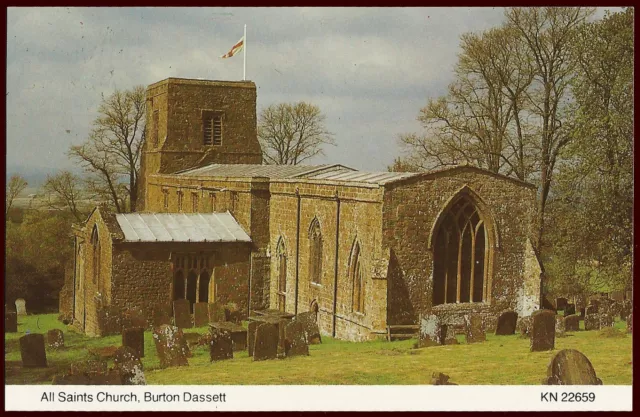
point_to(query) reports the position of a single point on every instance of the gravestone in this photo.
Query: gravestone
(560, 328)
(134, 318)
(507, 323)
(10, 322)
(200, 314)
(310, 324)
(134, 338)
(266, 344)
(88, 367)
(32, 351)
(109, 320)
(561, 303)
(220, 345)
(55, 338)
(572, 323)
(592, 322)
(524, 326)
(295, 339)
(629, 323)
(430, 331)
(128, 363)
(89, 373)
(543, 330)
(438, 378)
(21, 307)
(171, 346)
(161, 315)
(238, 334)
(448, 335)
(182, 314)
(216, 313)
(570, 367)
(474, 330)
(251, 336)
(569, 309)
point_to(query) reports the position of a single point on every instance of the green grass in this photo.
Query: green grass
(501, 360)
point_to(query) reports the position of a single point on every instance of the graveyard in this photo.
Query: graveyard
(493, 360)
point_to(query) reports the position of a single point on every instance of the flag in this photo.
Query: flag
(235, 49)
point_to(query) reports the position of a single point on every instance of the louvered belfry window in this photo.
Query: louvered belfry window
(212, 123)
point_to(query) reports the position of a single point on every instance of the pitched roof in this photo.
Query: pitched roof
(181, 227)
(253, 170)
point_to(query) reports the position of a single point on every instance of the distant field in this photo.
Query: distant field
(501, 360)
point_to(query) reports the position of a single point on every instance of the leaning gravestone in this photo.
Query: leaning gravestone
(572, 323)
(200, 314)
(543, 330)
(32, 351)
(182, 314)
(561, 303)
(21, 307)
(560, 327)
(310, 324)
(10, 322)
(55, 338)
(430, 331)
(161, 314)
(220, 345)
(171, 346)
(474, 330)
(134, 338)
(569, 310)
(570, 367)
(216, 313)
(128, 363)
(507, 323)
(266, 344)
(295, 339)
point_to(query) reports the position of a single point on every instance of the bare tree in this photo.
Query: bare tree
(292, 133)
(111, 154)
(15, 186)
(65, 192)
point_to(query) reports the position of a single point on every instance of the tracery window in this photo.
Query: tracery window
(315, 252)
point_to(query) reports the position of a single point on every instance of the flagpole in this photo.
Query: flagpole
(244, 66)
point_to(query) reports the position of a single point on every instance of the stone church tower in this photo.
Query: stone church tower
(191, 123)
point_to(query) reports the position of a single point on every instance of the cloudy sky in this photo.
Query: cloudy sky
(369, 69)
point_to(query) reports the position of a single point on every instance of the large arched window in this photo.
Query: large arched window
(192, 277)
(460, 255)
(315, 252)
(357, 279)
(95, 243)
(282, 275)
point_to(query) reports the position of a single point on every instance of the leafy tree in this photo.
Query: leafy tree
(15, 186)
(291, 133)
(111, 154)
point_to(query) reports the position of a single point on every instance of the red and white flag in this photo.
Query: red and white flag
(235, 49)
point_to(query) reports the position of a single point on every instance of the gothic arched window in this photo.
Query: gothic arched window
(460, 255)
(357, 279)
(315, 252)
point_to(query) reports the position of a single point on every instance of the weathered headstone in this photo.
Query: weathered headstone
(21, 307)
(438, 378)
(109, 320)
(560, 328)
(182, 314)
(592, 322)
(606, 320)
(134, 339)
(238, 334)
(10, 322)
(55, 338)
(171, 346)
(507, 323)
(90, 373)
(474, 330)
(216, 313)
(295, 339)
(311, 329)
(200, 314)
(570, 367)
(134, 318)
(221, 346)
(130, 366)
(569, 309)
(32, 351)
(543, 330)
(629, 323)
(561, 303)
(161, 314)
(266, 344)
(572, 323)
(524, 326)
(430, 331)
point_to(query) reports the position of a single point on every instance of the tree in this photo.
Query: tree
(15, 186)
(64, 191)
(111, 154)
(292, 133)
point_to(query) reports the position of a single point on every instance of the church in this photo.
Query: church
(363, 250)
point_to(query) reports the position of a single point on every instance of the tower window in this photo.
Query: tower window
(155, 128)
(212, 126)
(315, 252)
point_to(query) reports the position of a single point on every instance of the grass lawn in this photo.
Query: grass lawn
(501, 360)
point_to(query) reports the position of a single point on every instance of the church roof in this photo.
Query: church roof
(269, 171)
(181, 227)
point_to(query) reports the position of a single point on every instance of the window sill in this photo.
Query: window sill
(479, 306)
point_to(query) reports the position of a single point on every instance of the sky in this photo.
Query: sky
(370, 70)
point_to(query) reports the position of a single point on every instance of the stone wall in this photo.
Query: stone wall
(410, 210)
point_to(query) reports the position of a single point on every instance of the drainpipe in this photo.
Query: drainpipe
(297, 250)
(335, 278)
